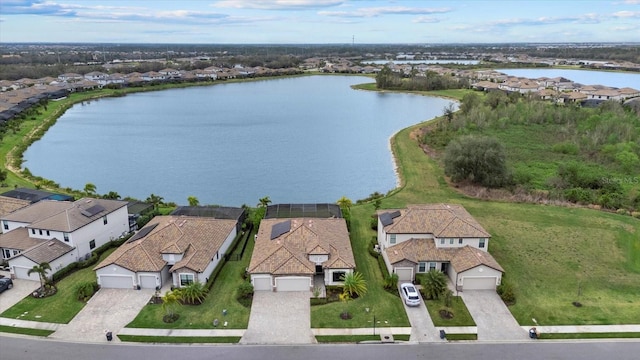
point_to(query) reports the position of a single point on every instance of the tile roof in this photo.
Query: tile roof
(425, 250)
(18, 239)
(47, 251)
(288, 253)
(441, 220)
(63, 215)
(9, 205)
(198, 238)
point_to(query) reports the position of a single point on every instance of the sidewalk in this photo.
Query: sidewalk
(577, 329)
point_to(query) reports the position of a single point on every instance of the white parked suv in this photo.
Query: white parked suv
(410, 294)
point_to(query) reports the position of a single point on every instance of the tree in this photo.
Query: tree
(155, 200)
(193, 201)
(469, 101)
(264, 202)
(434, 284)
(344, 202)
(111, 195)
(354, 284)
(170, 301)
(194, 293)
(448, 112)
(41, 270)
(479, 159)
(90, 189)
(3, 175)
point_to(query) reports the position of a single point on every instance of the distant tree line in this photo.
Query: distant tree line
(390, 80)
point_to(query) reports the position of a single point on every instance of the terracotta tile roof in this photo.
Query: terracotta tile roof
(9, 205)
(441, 220)
(288, 253)
(425, 250)
(63, 215)
(18, 239)
(198, 238)
(47, 251)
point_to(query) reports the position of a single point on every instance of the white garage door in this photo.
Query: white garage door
(404, 274)
(262, 284)
(21, 273)
(479, 283)
(148, 281)
(117, 282)
(293, 283)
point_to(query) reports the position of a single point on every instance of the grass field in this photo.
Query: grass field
(25, 331)
(461, 316)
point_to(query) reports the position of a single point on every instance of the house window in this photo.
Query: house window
(40, 231)
(92, 244)
(451, 241)
(186, 279)
(104, 219)
(33, 231)
(432, 266)
(392, 239)
(460, 241)
(422, 267)
(6, 253)
(48, 233)
(66, 237)
(442, 241)
(338, 275)
(16, 252)
(5, 224)
(481, 244)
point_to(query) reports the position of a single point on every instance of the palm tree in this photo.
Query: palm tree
(41, 270)
(155, 200)
(354, 284)
(90, 189)
(264, 202)
(194, 293)
(111, 195)
(193, 201)
(344, 202)
(434, 284)
(170, 301)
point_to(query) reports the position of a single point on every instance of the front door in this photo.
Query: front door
(319, 269)
(444, 267)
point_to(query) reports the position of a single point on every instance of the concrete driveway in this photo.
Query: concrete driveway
(422, 328)
(279, 318)
(493, 318)
(21, 289)
(108, 309)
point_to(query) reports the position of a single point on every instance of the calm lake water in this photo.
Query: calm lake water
(430, 62)
(297, 140)
(585, 77)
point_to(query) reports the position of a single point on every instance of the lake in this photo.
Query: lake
(428, 62)
(296, 140)
(585, 77)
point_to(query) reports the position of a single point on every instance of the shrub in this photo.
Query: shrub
(579, 195)
(245, 290)
(194, 293)
(566, 148)
(622, 212)
(434, 284)
(479, 159)
(85, 290)
(374, 223)
(391, 281)
(505, 290)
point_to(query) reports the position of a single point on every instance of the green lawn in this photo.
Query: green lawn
(356, 338)
(388, 308)
(59, 308)
(461, 316)
(25, 331)
(222, 296)
(180, 339)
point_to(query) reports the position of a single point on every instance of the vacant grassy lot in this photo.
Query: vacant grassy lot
(222, 296)
(552, 255)
(59, 308)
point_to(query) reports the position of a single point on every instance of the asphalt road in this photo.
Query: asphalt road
(21, 348)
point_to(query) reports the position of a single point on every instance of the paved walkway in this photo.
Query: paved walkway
(280, 318)
(492, 316)
(108, 310)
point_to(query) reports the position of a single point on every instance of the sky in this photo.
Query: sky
(319, 21)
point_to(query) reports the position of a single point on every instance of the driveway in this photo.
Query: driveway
(21, 288)
(422, 328)
(279, 318)
(108, 309)
(493, 318)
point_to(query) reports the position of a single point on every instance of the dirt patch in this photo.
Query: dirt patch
(445, 314)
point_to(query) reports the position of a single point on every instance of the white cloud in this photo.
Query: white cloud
(626, 14)
(390, 10)
(277, 4)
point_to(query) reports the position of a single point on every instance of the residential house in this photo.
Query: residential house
(289, 253)
(443, 237)
(59, 232)
(171, 249)
(35, 195)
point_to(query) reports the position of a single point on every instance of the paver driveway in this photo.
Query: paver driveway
(493, 318)
(21, 288)
(108, 309)
(279, 318)
(422, 328)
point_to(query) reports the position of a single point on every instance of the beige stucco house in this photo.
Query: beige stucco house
(442, 237)
(289, 253)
